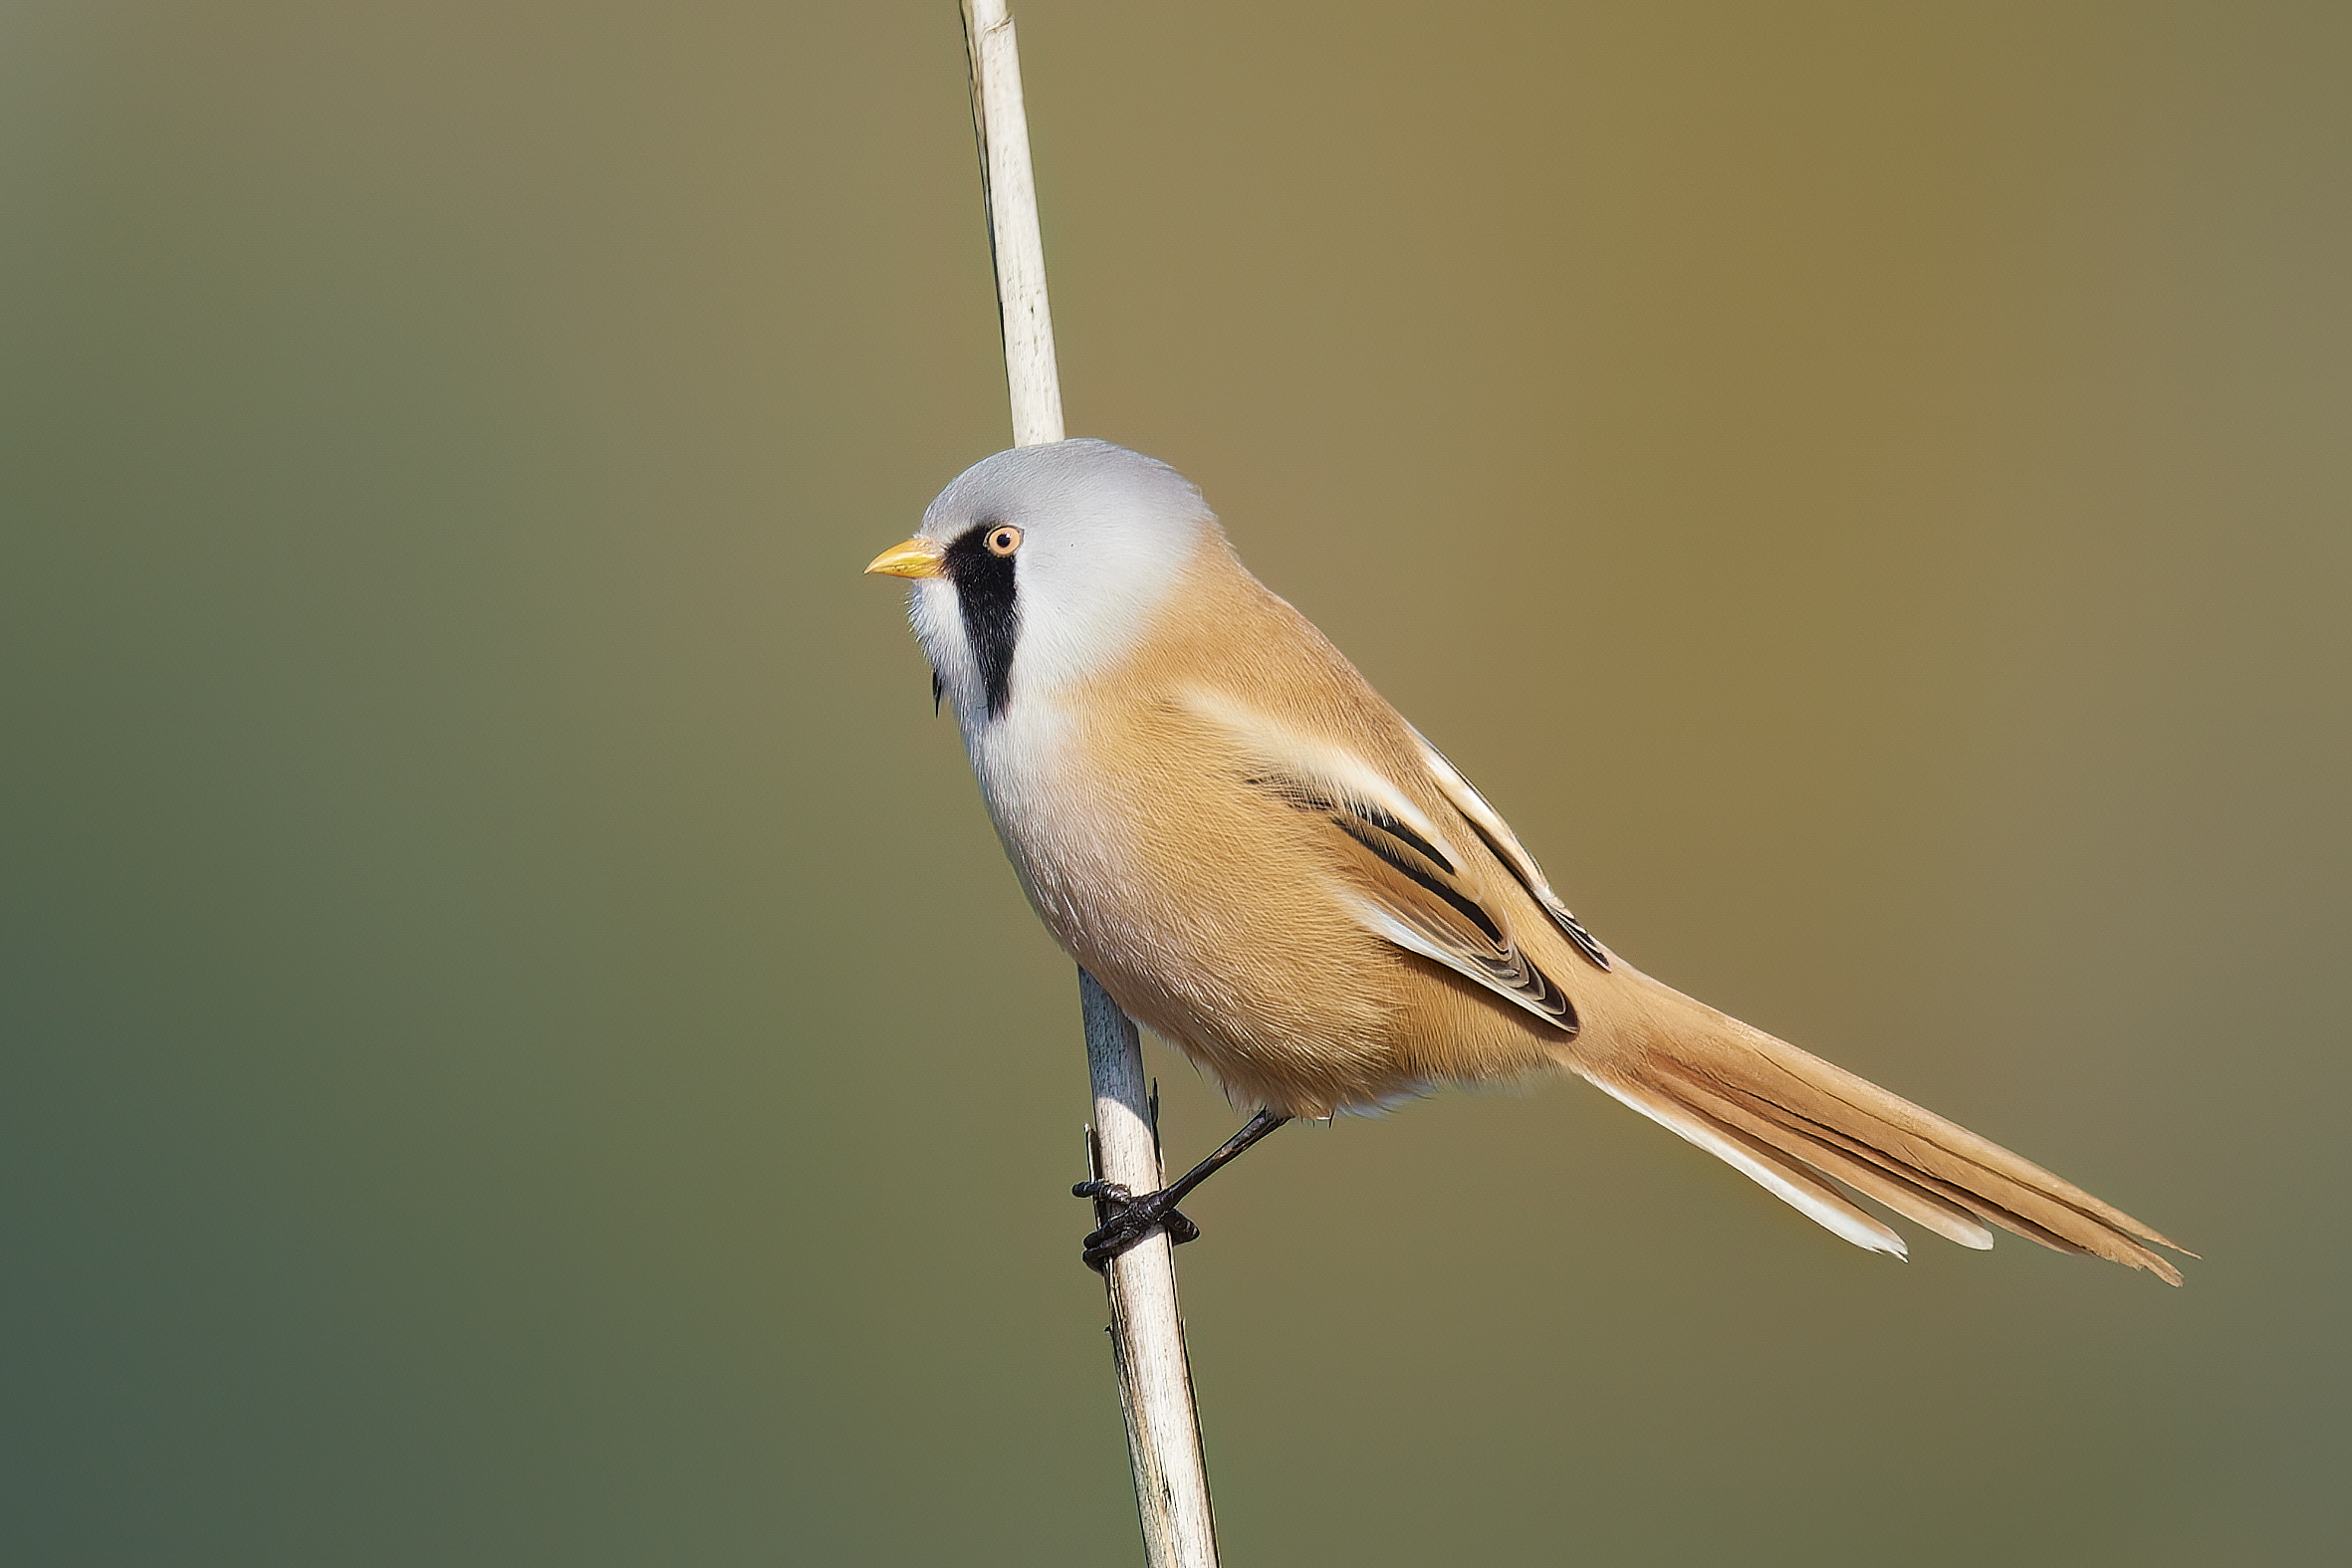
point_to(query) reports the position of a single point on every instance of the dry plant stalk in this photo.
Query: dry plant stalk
(1146, 1329)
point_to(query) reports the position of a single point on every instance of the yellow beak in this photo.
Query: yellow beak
(914, 558)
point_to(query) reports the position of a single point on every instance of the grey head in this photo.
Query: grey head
(1049, 562)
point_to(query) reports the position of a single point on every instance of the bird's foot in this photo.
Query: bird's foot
(1127, 1219)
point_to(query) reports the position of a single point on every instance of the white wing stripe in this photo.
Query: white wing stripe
(1321, 760)
(1412, 941)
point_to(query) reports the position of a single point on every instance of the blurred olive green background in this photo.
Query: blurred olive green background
(516, 1043)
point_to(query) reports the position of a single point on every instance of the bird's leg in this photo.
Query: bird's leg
(1126, 1219)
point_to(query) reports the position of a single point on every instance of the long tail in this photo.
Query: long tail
(1797, 1125)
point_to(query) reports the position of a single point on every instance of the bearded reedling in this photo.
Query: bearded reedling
(1263, 862)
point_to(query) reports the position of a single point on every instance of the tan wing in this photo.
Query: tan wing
(1410, 888)
(1507, 848)
(1407, 878)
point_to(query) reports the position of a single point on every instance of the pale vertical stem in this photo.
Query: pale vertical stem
(1147, 1332)
(1011, 193)
(1146, 1329)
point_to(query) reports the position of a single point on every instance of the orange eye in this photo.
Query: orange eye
(1004, 541)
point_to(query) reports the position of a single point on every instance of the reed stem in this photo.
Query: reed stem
(1147, 1329)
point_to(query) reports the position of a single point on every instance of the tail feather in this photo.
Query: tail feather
(1782, 1178)
(1924, 1129)
(1990, 1196)
(1788, 1119)
(1948, 1218)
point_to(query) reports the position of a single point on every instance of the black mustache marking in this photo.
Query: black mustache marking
(988, 596)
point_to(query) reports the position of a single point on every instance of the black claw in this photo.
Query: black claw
(1127, 1219)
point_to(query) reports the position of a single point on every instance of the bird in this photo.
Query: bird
(1263, 862)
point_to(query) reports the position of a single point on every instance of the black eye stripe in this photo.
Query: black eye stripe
(986, 594)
